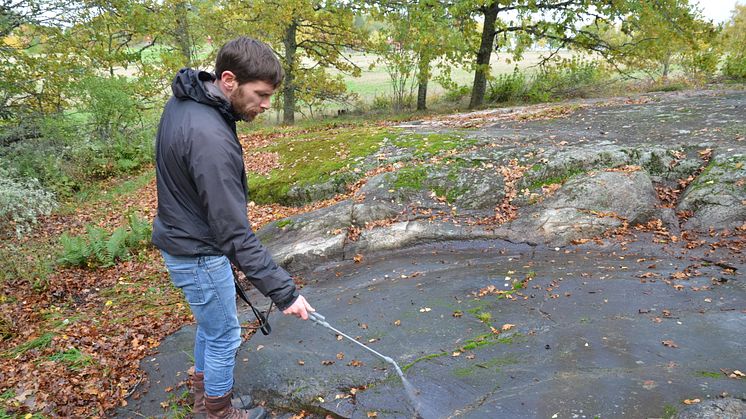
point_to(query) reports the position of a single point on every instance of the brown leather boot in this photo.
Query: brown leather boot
(198, 389)
(221, 408)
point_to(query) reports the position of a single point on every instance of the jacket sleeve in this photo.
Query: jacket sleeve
(216, 167)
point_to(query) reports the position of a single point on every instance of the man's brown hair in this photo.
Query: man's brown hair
(249, 60)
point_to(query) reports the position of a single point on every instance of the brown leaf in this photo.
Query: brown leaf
(678, 275)
(670, 344)
(692, 401)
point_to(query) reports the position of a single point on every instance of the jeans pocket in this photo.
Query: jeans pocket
(188, 282)
(215, 263)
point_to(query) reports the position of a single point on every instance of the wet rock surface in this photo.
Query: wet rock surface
(725, 408)
(528, 318)
(612, 330)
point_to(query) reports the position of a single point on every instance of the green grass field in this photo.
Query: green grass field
(376, 81)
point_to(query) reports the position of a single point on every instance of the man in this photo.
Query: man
(201, 226)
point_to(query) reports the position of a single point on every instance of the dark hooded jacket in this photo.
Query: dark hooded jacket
(202, 188)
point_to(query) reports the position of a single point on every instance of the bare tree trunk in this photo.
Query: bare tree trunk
(181, 34)
(288, 90)
(423, 77)
(483, 56)
(666, 65)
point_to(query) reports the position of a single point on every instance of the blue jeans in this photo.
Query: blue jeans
(207, 283)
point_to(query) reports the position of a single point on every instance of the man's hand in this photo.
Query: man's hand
(300, 308)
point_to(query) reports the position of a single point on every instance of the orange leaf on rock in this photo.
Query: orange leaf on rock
(670, 344)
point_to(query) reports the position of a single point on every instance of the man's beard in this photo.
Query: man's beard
(239, 107)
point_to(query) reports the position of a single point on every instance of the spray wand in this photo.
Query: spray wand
(321, 321)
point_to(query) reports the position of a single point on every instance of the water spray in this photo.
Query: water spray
(420, 410)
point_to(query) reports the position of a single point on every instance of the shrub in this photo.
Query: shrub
(99, 248)
(570, 78)
(507, 87)
(702, 64)
(111, 103)
(48, 157)
(457, 93)
(22, 202)
(65, 156)
(734, 67)
(389, 103)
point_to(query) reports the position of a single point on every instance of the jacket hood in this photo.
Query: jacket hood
(191, 84)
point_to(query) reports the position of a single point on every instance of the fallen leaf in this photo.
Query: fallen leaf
(397, 322)
(692, 401)
(670, 344)
(425, 309)
(355, 363)
(737, 374)
(358, 258)
(456, 353)
(372, 414)
(340, 356)
(301, 362)
(458, 313)
(327, 362)
(507, 326)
